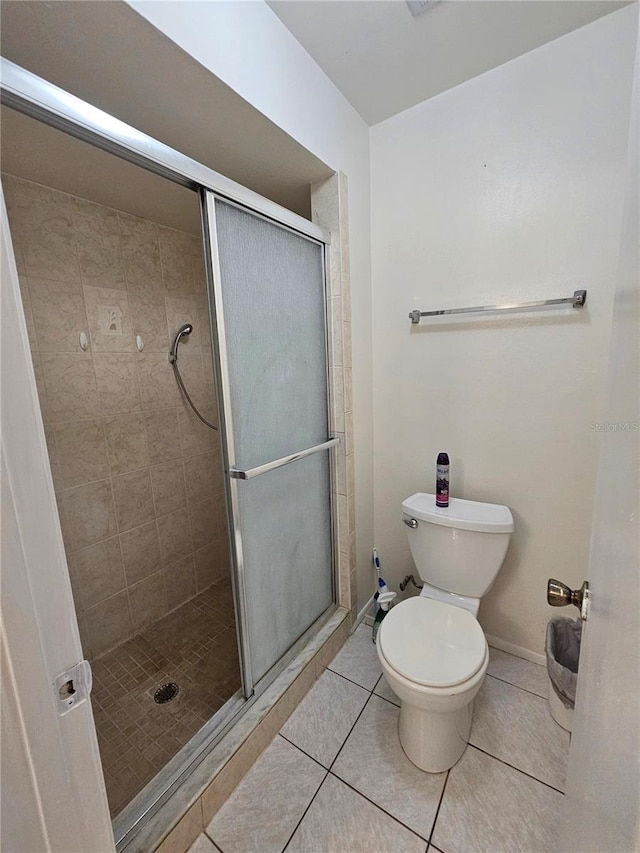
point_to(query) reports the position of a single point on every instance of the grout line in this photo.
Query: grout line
(315, 760)
(304, 814)
(346, 678)
(378, 806)
(513, 767)
(355, 723)
(435, 819)
(215, 844)
(511, 684)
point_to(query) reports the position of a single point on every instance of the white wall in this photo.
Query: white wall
(508, 187)
(248, 47)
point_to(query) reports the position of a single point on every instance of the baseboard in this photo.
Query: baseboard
(518, 651)
(362, 615)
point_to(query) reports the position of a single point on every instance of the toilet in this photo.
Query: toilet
(432, 649)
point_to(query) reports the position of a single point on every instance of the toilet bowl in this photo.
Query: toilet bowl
(432, 649)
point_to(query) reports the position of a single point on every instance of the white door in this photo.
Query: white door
(53, 794)
(603, 785)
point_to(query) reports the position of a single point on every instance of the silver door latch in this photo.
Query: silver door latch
(73, 686)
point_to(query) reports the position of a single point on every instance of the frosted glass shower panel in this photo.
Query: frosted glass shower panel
(286, 543)
(272, 283)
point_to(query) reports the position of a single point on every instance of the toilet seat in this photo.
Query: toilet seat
(432, 643)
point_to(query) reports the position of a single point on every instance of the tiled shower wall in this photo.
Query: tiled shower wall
(330, 208)
(139, 480)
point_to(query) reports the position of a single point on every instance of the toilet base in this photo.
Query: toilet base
(434, 742)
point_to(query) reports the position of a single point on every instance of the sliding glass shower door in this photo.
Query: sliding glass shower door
(271, 333)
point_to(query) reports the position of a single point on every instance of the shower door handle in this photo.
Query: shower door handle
(250, 473)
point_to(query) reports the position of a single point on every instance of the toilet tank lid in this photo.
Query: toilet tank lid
(465, 515)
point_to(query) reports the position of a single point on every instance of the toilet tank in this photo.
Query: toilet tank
(459, 548)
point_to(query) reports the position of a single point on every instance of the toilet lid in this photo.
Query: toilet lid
(432, 643)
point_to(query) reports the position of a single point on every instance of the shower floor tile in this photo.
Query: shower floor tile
(194, 647)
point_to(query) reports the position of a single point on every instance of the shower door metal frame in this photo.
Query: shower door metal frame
(225, 421)
(29, 94)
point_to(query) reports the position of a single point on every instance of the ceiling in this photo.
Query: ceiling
(107, 54)
(384, 60)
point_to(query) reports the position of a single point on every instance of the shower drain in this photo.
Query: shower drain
(166, 693)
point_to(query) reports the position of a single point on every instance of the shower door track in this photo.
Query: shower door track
(29, 94)
(131, 821)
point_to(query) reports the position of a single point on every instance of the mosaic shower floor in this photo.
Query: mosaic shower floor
(195, 647)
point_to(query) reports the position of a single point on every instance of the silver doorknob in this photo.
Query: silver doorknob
(560, 595)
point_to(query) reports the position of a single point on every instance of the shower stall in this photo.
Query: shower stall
(183, 370)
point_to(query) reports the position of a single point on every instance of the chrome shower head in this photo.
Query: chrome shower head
(183, 330)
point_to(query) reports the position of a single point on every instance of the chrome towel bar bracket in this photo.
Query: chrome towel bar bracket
(578, 299)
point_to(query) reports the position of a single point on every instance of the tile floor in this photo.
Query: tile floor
(335, 779)
(194, 646)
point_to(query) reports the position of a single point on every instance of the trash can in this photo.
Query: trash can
(562, 648)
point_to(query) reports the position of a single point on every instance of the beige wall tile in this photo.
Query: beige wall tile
(212, 563)
(350, 472)
(58, 313)
(167, 481)
(348, 432)
(163, 435)
(148, 600)
(109, 319)
(346, 345)
(89, 513)
(343, 524)
(133, 499)
(196, 437)
(175, 536)
(126, 440)
(178, 264)
(46, 235)
(346, 303)
(180, 581)
(140, 552)
(158, 387)
(109, 623)
(139, 240)
(70, 384)
(336, 331)
(204, 524)
(200, 476)
(341, 467)
(99, 249)
(181, 310)
(348, 389)
(117, 382)
(81, 452)
(98, 571)
(337, 377)
(149, 320)
(103, 438)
